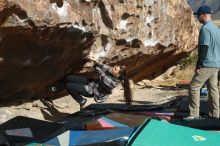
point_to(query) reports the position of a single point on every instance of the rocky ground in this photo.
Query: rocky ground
(157, 91)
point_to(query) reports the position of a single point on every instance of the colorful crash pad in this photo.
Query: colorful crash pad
(104, 123)
(21, 130)
(158, 133)
(3, 141)
(116, 120)
(160, 115)
(112, 137)
(183, 84)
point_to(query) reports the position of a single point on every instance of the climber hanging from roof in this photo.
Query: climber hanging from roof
(108, 79)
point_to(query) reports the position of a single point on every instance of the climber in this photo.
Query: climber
(108, 79)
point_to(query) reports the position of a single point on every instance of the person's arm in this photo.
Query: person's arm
(201, 54)
(102, 69)
(103, 73)
(204, 41)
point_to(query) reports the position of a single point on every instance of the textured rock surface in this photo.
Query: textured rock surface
(43, 40)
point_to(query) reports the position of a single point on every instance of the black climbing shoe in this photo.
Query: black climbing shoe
(52, 89)
(101, 100)
(83, 103)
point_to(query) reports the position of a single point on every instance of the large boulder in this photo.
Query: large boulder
(41, 41)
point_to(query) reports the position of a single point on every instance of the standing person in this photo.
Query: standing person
(207, 66)
(108, 79)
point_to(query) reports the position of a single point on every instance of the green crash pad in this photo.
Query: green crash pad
(158, 133)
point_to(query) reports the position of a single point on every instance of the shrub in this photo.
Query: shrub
(189, 61)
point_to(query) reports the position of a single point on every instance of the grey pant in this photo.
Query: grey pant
(75, 85)
(209, 75)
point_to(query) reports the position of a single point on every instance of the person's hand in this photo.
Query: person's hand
(197, 71)
(91, 57)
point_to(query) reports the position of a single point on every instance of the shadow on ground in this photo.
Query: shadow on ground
(161, 87)
(137, 105)
(50, 113)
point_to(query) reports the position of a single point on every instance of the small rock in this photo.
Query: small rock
(64, 103)
(141, 83)
(5, 115)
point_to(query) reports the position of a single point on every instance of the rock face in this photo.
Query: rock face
(41, 41)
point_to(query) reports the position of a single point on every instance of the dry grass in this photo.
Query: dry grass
(185, 74)
(181, 75)
(178, 75)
